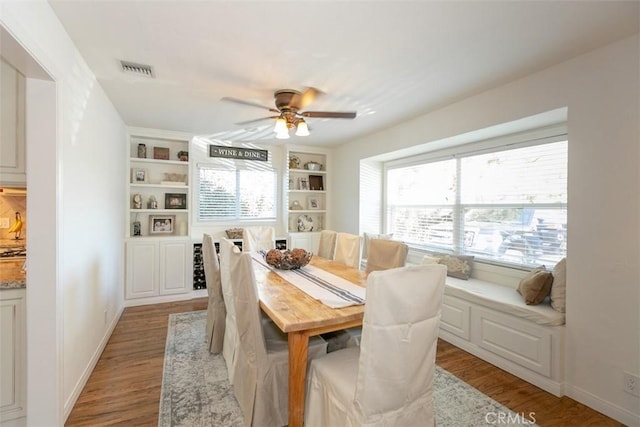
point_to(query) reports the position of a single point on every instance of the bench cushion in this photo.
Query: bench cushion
(503, 299)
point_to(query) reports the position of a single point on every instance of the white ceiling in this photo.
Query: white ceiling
(387, 60)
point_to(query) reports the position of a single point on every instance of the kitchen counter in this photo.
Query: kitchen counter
(12, 243)
(11, 274)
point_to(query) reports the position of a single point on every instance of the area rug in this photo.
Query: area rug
(196, 390)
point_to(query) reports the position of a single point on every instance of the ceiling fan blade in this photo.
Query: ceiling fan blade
(257, 120)
(309, 95)
(330, 114)
(249, 103)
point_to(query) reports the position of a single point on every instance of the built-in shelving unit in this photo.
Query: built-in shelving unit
(306, 201)
(158, 189)
(159, 253)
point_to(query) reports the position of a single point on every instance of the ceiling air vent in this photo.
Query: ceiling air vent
(139, 69)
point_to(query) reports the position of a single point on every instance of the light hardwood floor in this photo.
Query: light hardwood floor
(124, 388)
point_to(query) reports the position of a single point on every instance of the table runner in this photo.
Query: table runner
(331, 290)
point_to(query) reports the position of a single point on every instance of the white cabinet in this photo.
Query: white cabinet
(158, 267)
(176, 267)
(307, 241)
(158, 183)
(12, 112)
(13, 354)
(306, 196)
(142, 269)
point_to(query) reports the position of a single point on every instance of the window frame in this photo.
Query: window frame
(552, 134)
(237, 218)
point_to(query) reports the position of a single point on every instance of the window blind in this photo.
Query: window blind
(229, 194)
(506, 205)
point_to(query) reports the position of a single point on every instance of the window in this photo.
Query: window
(506, 204)
(232, 194)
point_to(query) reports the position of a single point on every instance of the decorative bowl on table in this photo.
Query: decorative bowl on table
(288, 259)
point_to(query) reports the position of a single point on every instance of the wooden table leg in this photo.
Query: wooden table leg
(298, 349)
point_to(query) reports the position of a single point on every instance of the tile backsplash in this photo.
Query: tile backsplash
(9, 205)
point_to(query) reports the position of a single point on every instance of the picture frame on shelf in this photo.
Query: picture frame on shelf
(313, 203)
(175, 201)
(139, 176)
(303, 184)
(178, 179)
(136, 229)
(160, 153)
(162, 224)
(316, 182)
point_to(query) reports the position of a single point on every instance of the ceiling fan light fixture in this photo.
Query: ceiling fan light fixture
(283, 134)
(281, 126)
(302, 129)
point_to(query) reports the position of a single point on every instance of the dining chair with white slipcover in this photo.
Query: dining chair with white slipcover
(384, 254)
(388, 380)
(327, 246)
(261, 380)
(348, 249)
(368, 237)
(231, 339)
(258, 239)
(216, 311)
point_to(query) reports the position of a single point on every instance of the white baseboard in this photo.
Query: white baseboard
(196, 293)
(16, 422)
(609, 409)
(68, 405)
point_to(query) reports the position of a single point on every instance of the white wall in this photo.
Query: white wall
(76, 199)
(600, 90)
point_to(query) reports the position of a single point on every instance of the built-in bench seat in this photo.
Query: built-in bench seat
(492, 322)
(504, 299)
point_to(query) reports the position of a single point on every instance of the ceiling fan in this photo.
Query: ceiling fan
(288, 103)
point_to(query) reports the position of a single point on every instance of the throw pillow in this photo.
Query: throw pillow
(370, 236)
(535, 286)
(559, 287)
(458, 266)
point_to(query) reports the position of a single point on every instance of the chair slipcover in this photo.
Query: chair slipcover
(368, 237)
(388, 380)
(258, 239)
(327, 246)
(216, 311)
(386, 254)
(230, 342)
(261, 382)
(348, 248)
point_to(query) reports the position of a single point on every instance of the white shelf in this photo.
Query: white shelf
(159, 161)
(171, 186)
(308, 191)
(307, 171)
(160, 211)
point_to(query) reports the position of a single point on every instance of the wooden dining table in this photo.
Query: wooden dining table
(300, 317)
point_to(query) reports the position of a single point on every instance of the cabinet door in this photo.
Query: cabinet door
(12, 153)
(306, 241)
(12, 355)
(142, 269)
(175, 267)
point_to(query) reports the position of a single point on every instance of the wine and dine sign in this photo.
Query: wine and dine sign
(238, 153)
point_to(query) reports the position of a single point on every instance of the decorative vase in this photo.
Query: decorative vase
(142, 151)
